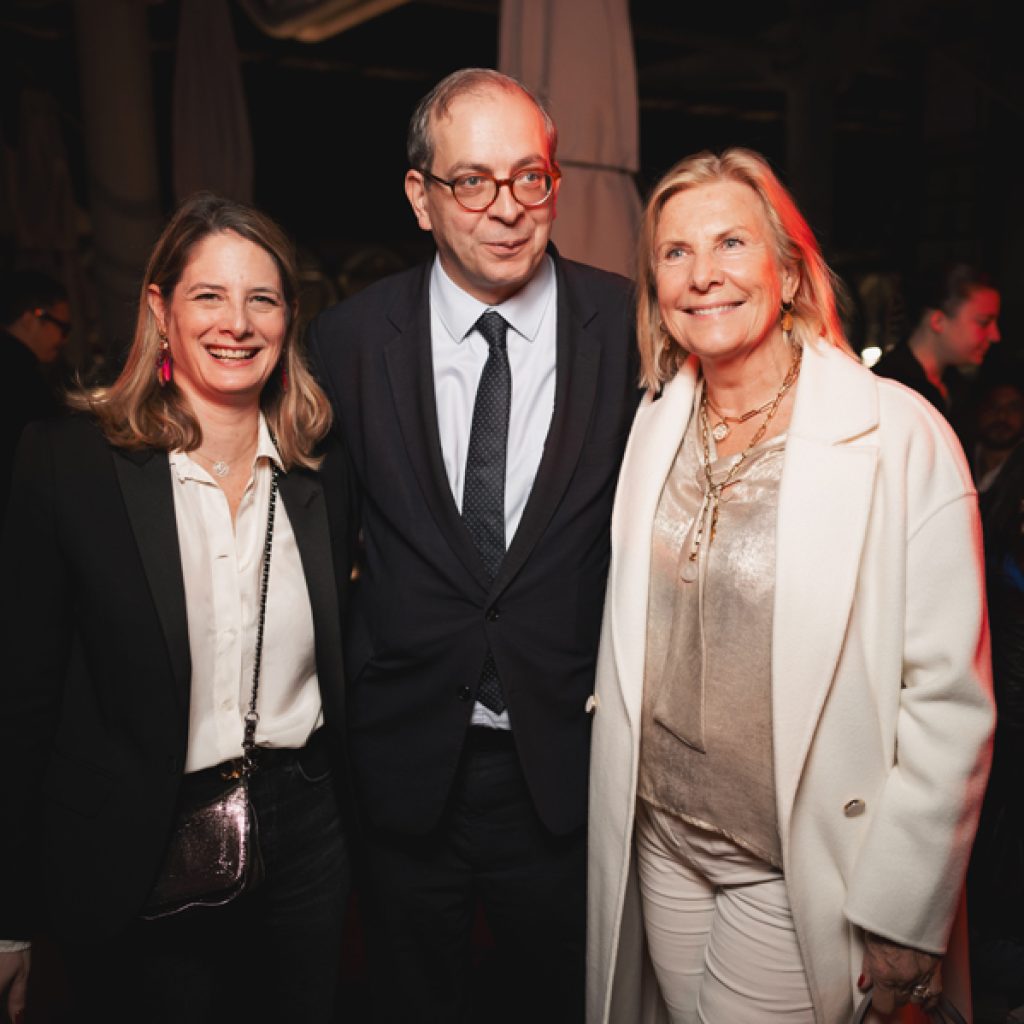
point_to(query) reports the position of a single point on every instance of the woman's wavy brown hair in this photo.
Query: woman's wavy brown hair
(136, 412)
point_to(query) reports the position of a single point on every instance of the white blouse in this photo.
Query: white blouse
(222, 570)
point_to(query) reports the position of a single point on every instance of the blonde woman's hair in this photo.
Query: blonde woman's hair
(814, 304)
(136, 412)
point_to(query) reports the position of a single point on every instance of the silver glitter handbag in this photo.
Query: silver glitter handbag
(213, 855)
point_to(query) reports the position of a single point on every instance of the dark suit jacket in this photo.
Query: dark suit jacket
(96, 673)
(423, 610)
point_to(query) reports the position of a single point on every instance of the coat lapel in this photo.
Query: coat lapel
(145, 480)
(303, 499)
(653, 443)
(824, 502)
(576, 373)
(411, 375)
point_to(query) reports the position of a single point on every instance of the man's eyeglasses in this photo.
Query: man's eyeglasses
(476, 192)
(62, 325)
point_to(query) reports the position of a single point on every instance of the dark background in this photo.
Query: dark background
(925, 101)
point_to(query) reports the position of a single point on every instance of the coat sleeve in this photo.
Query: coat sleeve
(35, 630)
(908, 877)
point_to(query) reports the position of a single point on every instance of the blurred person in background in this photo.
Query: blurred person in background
(35, 324)
(955, 312)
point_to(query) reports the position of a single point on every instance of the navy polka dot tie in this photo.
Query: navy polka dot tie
(483, 493)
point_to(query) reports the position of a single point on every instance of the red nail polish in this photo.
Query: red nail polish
(860, 981)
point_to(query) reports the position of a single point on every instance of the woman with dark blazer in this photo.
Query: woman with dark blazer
(134, 553)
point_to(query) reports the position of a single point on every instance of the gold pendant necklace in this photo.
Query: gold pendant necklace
(713, 491)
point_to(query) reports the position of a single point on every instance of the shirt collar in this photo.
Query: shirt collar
(187, 468)
(524, 311)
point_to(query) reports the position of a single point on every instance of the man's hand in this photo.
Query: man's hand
(897, 971)
(14, 981)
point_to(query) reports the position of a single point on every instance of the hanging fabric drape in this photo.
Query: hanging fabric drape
(577, 55)
(212, 142)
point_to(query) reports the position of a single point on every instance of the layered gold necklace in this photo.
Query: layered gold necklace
(713, 491)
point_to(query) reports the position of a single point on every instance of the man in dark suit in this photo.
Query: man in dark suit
(485, 399)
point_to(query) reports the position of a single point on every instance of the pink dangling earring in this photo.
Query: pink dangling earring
(164, 363)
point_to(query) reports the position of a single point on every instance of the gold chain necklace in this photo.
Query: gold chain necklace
(713, 494)
(720, 430)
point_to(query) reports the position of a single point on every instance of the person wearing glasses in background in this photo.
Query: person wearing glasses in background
(485, 398)
(35, 324)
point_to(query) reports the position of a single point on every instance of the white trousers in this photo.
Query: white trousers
(719, 927)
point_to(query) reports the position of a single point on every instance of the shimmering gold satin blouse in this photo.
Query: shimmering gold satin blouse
(706, 742)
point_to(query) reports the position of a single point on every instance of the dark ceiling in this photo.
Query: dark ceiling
(926, 101)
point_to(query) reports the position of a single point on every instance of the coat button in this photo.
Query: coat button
(493, 615)
(464, 693)
(854, 808)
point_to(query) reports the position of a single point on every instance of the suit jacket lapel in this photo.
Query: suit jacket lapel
(411, 374)
(576, 375)
(145, 480)
(824, 503)
(303, 499)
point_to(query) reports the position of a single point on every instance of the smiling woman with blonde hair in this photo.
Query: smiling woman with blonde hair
(171, 621)
(793, 688)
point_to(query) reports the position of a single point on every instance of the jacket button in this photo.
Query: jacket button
(493, 615)
(854, 808)
(463, 693)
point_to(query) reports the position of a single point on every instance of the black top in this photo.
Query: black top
(901, 364)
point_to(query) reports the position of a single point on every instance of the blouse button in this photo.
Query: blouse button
(854, 808)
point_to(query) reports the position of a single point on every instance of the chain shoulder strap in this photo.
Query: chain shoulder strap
(251, 716)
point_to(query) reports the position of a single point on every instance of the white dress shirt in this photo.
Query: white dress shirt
(222, 566)
(459, 353)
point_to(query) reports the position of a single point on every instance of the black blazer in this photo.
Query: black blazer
(423, 610)
(95, 684)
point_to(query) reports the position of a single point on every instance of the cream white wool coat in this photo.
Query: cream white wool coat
(881, 683)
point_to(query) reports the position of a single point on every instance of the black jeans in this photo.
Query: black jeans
(273, 955)
(491, 850)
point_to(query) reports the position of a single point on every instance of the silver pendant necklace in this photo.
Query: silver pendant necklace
(219, 467)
